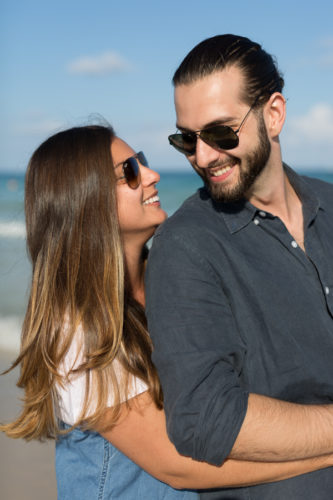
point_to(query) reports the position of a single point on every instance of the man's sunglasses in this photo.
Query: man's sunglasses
(217, 136)
(131, 169)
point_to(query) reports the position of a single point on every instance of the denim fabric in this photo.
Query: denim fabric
(88, 467)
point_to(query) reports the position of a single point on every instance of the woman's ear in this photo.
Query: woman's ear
(275, 114)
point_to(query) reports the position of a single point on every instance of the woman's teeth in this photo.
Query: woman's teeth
(153, 199)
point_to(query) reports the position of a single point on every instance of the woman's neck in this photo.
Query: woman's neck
(136, 269)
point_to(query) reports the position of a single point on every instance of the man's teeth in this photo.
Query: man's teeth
(222, 171)
(153, 199)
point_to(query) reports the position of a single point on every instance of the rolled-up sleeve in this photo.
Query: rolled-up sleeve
(197, 349)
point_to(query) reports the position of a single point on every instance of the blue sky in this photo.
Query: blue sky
(65, 63)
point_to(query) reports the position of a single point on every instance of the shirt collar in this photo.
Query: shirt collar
(238, 215)
(311, 201)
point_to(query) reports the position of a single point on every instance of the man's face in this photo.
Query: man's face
(216, 99)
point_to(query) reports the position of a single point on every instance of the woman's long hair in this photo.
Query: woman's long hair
(78, 279)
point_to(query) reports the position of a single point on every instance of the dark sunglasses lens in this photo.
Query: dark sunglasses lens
(221, 136)
(185, 143)
(142, 159)
(132, 172)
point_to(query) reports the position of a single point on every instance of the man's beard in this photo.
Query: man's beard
(255, 163)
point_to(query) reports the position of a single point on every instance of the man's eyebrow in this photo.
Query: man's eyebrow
(219, 121)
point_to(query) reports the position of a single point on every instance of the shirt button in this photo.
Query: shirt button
(294, 244)
(262, 213)
(327, 290)
(256, 221)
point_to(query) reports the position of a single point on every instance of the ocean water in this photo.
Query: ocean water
(15, 274)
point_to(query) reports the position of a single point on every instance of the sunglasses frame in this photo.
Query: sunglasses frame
(131, 169)
(201, 133)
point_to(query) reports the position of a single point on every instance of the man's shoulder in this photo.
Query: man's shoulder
(322, 189)
(195, 212)
(318, 184)
(190, 223)
(183, 240)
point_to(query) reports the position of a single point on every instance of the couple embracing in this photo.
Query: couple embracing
(230, 394)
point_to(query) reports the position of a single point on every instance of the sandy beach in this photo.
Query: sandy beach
(26, 469)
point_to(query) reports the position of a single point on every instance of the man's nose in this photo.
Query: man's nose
(205, 155)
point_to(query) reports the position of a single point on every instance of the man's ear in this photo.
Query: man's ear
(275, 114)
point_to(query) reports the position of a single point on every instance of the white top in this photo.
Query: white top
(71, 396)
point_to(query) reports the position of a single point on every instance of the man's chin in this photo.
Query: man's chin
(222, 195)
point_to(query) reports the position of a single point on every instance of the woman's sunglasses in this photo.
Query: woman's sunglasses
(217, 136)
(131, 169)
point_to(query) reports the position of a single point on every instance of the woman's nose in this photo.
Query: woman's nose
(149, 176)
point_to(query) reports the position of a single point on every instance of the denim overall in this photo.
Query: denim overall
(88, 467)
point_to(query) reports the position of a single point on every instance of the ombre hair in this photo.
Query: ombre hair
(78, 279)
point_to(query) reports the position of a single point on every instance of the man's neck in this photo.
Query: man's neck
(273, 193)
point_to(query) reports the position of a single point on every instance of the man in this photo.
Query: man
(240, 280)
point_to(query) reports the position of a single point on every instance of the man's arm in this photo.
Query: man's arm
(275, 431)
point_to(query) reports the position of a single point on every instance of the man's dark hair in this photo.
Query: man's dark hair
(262, 77)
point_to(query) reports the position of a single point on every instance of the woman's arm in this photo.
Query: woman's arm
(141, 435)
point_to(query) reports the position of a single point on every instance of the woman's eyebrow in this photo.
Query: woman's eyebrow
(134, 155)
(120, 163)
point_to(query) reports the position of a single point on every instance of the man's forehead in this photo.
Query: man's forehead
(217, 96)
(228, 83)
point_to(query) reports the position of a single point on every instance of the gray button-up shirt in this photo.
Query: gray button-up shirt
(235, 306)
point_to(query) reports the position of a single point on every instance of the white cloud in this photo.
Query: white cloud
(307, 140)
(102, 64)
(315, 126)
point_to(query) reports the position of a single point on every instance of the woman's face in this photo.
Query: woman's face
(139, 210)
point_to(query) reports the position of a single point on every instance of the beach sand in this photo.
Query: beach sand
(26, 469)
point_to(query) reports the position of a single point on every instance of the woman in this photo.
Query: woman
(91, 205)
